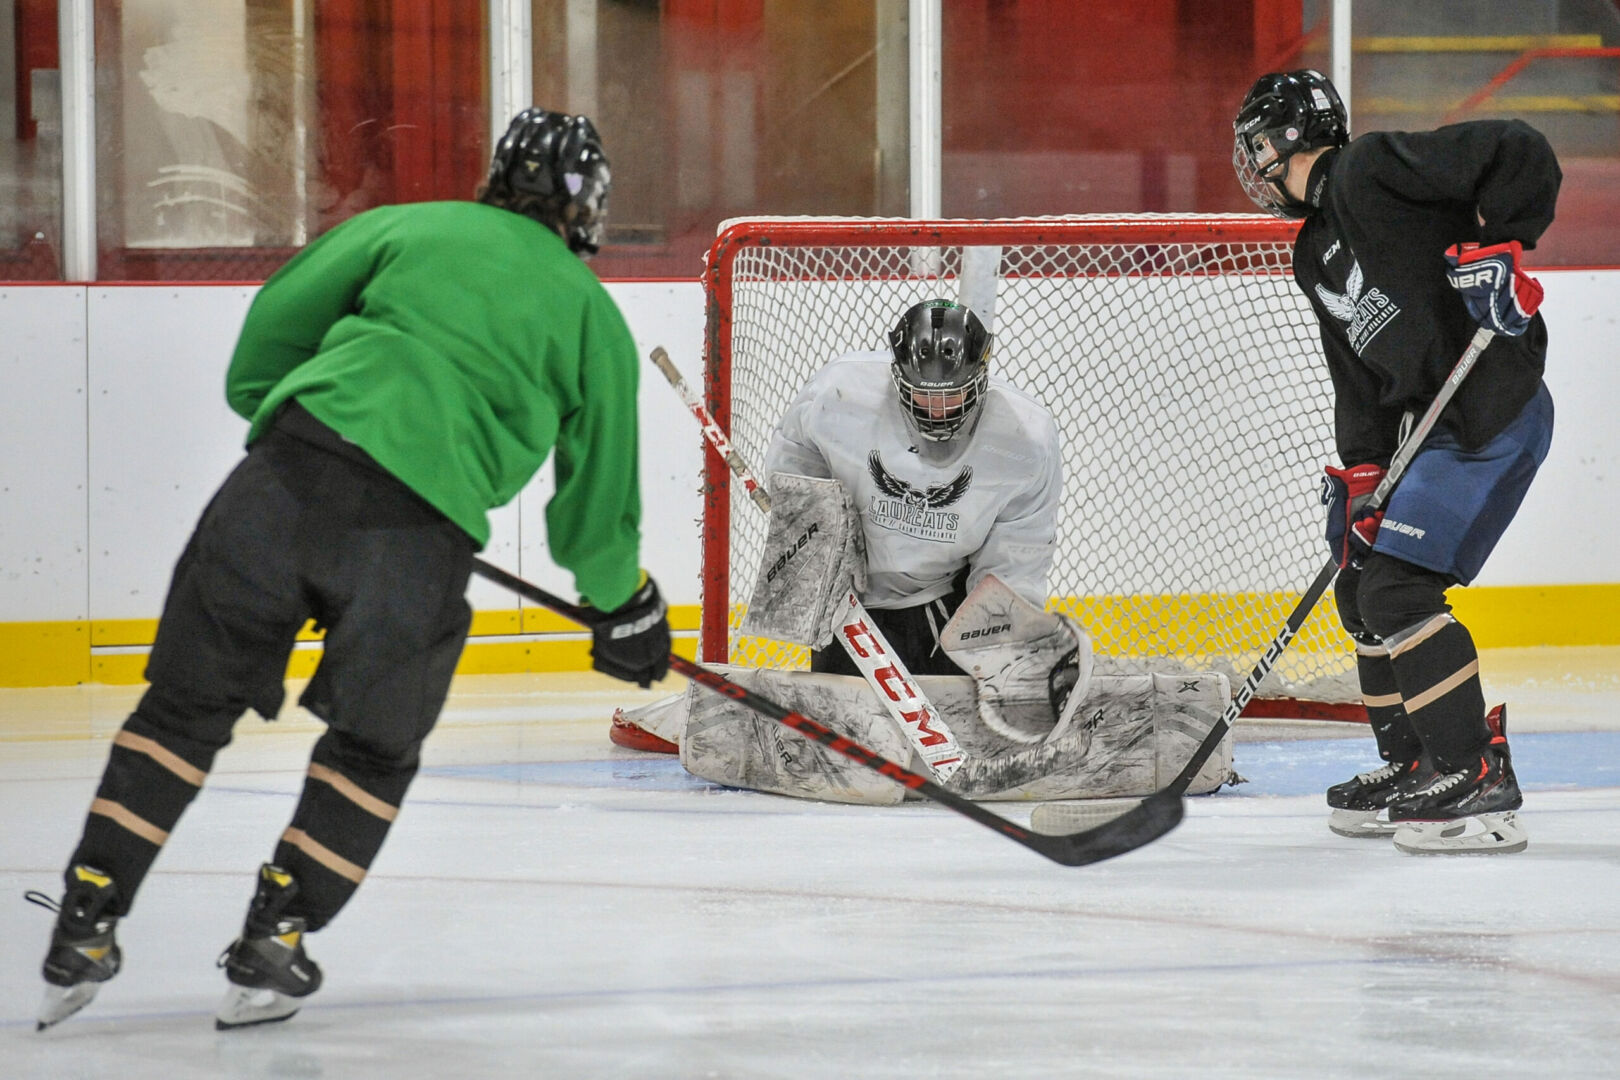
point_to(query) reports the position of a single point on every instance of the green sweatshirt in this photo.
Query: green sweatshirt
(457, 343)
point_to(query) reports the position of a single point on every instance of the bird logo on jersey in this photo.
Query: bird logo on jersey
(1363, 314)
(918, 512)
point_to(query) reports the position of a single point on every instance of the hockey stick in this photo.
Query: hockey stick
(1324, 577)
(858, 633)
(1140, 826)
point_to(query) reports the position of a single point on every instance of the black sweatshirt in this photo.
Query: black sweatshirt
(1370, 257)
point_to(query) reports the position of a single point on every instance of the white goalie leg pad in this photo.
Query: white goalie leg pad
(1130, 736)
(1032, 667)
(814, 557)
(1484, 834)
(728, 743)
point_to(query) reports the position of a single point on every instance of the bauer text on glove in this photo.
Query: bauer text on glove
(1351, 527)
(1499, 295)
(632, 641)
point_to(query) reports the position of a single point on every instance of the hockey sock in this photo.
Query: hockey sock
(1386, 712)
(1437, 668)
(350, 799)
(153, 772)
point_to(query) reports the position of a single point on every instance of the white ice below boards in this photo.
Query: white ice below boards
(550, 905)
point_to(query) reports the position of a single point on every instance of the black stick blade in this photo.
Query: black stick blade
(1138, 827)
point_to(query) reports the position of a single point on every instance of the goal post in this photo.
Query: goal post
(1185, 373)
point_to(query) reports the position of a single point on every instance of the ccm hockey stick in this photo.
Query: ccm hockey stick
(1142, 825)
(870, 651)
(1324, 577)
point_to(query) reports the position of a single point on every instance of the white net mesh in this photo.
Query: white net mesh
(1183, 368)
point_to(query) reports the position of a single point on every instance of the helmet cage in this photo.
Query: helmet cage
(941, 369)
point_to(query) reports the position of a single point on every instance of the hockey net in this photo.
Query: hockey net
(1185, 373)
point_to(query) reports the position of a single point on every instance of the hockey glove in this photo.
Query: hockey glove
(1351, 528)
(632, 641)
(1499, 295)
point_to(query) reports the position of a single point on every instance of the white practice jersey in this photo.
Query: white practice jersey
(987, 501)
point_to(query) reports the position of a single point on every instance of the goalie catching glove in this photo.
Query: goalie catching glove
(1499, 295)
(1352, 529)
(632, 641)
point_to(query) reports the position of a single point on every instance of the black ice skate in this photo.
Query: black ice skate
(1361, 804)
(1467, 812)
(267, 965)
(83, 952)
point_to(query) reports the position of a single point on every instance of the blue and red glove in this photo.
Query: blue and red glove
(1499, 295)
(1352, 529)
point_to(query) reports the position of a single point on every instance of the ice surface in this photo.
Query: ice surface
(550, 905)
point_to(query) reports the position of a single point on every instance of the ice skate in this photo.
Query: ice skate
(83, 953)
(271, 975)
(1468, 812)
(1361, 804)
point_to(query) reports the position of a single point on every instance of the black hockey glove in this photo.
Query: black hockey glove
(1499, 295)
(632, 642)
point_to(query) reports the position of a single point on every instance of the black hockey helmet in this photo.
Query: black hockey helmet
(551, 166)
(941, 369)
(1284, 113)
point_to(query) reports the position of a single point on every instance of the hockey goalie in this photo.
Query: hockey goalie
(911, 481)
(1027, 719)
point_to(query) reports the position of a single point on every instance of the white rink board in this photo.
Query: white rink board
(143, 389)
(161, 436)
(42, 453)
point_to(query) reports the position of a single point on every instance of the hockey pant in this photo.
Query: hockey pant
(912, 631)
(299, 530)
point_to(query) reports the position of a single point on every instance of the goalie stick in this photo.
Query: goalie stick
(1324, 577)
(857, 632)
(1142, 825)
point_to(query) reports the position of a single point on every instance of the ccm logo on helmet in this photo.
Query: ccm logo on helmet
(986, 631)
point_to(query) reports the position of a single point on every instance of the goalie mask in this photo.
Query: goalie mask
(941, 369)
(1285, 112)
(551, 166)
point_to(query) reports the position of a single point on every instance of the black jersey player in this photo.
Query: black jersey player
(1410, 242)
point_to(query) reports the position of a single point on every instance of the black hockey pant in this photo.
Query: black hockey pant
(299, 530)
(913, 632)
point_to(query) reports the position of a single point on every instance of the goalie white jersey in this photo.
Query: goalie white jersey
(987, 500)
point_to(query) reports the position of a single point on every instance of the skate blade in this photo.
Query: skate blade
(62, 1002)
(245, 1006)
(1361, 823)
(1484, 834)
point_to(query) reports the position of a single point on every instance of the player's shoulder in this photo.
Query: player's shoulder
(1028, 408)
(860, 372)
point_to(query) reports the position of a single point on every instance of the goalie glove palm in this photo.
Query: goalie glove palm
(1498, 294)
(1352, 528)
(632, 641)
